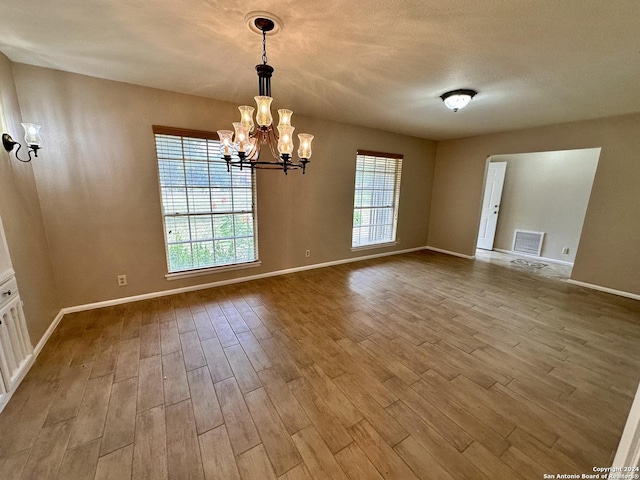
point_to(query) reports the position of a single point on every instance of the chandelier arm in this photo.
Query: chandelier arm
(251, 155)
(28, 153)
(272, 141)
(266, 165)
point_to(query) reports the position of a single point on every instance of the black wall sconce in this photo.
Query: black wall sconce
(31, 137)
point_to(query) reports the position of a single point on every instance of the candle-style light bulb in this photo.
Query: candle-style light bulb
(263, 115)
(304, 150)
(241, 135)
(285, 142)
(225, 141)
(32, 134)
(285, 116)
(246, 117)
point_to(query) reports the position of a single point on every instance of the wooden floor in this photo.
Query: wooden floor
(413, 366)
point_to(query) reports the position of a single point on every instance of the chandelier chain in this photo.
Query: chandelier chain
(264, 47)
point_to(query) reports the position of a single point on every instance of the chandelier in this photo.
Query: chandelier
(245, 148)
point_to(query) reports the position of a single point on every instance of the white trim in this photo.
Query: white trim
(48, 333)
(34, 355)
(543, 259)
(628, 453)
(163, 293)
(209, 271)
(455, 254)
(620, 293)
(371, 246)
(6, 275)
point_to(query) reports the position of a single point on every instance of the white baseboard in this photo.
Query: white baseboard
(32, 359)
(4, 399)
(163, 293)
(447, 252)
(540, 259)
(628, 453)
(620, 293)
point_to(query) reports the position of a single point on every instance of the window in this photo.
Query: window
(208, 213)
(375, 203)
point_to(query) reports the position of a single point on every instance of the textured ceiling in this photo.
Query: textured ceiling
(375, 63)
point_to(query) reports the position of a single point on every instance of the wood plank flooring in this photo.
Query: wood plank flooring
(413, 366)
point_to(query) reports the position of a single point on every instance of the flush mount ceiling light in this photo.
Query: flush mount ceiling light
(457, 99)
(244, 150)
(31, 137)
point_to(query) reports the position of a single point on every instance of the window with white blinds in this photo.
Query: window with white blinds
(375, 204)
(209, 213)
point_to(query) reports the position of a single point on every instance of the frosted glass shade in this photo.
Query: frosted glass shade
(285, 116)
(285, 142)
(456, 102)
(246, 116)
(225, 141)
(263, 115)
(304, 150)
(251, 143)
(241, 135)
(32, 134)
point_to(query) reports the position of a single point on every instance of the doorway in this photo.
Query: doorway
(546, 192)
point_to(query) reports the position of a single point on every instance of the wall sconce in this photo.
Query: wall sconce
(457, 99)
(31, 137)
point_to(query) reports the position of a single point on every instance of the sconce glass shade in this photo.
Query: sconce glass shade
(225, 141)
(263, 116)
(285, 142)
(457, 99)
(246, 116)
(32, 134)
(241, 135)
(285, 116)
(304, 150)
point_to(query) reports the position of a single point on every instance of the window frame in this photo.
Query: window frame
(361, 158)
(159, 130)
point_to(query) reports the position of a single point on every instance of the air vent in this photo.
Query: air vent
(529, 243)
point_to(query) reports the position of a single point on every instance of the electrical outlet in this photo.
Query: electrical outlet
(565, 250)
(307, 253)
(122, 280)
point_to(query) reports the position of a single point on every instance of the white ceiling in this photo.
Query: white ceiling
(374, 63)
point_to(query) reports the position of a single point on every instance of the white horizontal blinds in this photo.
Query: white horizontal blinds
(377, 192)
(209, 216)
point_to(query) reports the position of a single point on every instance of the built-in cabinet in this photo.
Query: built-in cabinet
(15, 346)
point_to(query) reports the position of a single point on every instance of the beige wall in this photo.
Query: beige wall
(546, 192)
(608, 252)
(98, 185)
(21, 216)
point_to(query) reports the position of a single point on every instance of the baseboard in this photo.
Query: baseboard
(163, 293)
(32, 359)
(620, 293)
(118, 301)
(447, 252)
(540, 259)
(628, 453)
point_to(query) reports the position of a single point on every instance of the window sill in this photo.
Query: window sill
(211, 270)
(371, 246)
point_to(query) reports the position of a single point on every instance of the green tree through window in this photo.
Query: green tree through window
(208, 212)
(376, 197)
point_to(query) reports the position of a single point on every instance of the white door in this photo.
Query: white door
(491, 204)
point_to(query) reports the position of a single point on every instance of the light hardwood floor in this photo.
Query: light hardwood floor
(413, 366)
